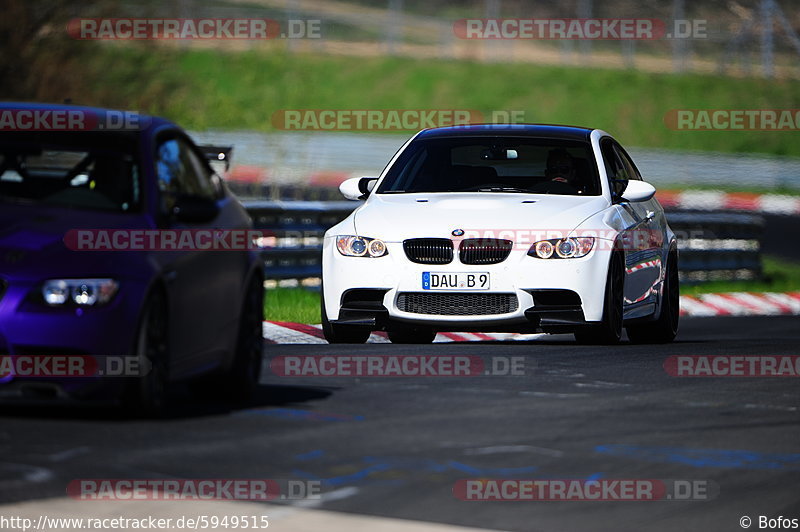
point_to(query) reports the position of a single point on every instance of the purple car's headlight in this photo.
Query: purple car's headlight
(83, 292)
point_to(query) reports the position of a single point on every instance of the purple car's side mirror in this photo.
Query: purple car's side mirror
(192, 209)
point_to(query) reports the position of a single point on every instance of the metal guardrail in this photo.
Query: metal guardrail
(718, 245)
(293, 234)
(713, 245)
(284, 192)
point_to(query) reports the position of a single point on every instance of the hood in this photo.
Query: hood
(396, 217)
(32, 240)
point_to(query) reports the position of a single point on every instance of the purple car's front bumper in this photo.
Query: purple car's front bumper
(30, 330)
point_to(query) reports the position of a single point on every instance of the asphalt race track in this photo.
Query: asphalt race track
(395, 447)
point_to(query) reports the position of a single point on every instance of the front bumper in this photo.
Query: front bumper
(30, 329)
(551, 295)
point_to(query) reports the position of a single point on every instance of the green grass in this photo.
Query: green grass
(779, 275)
(302, 306)
(297, 305)
(203, 89)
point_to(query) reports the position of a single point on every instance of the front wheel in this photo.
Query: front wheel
(664, 329)
(244, 374)
(410, 335)
(148, 393)
(340, 334)
(609, 330)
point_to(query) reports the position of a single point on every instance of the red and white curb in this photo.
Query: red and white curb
(281, 332)
(728, 304)
(741, 304)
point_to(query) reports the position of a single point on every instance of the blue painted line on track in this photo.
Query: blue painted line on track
(311, 455)
(735, 459)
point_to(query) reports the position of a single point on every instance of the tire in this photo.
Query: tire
(243, 377)
(148, 394)
(411, 335)
(609, 330)
(664, 329)
(340, 334)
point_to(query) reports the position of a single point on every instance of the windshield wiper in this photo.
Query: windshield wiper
(504, 189)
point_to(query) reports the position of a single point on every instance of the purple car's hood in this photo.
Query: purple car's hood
(32, 241)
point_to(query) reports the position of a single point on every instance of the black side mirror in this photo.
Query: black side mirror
(192, 209)
(618, 187)
(218, 154)
(366, 184)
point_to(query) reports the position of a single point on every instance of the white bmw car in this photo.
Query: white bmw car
(497, 228)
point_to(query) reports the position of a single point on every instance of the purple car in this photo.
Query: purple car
(114, 280)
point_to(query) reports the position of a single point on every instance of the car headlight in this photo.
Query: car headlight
(83, 292)
(360, 246)
(562, 248)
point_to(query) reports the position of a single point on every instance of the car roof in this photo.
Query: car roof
(152, 122)
(509, 130)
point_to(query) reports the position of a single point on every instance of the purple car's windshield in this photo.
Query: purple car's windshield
(494, 164)
(74, 174)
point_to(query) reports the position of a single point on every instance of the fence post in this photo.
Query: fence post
(679, 48)
(492, 10)
(766, 9)
(394, 23)
(585, 11)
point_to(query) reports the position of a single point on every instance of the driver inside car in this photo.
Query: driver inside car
(560, 174)
(560, 166)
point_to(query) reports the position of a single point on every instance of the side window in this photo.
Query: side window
(181, 173)
(614, 167)
(630, 168)
(617, 173)
(204, 176)
(170, 172)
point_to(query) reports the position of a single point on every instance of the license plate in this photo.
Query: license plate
(455, 281)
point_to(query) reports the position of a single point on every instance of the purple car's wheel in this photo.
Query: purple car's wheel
(245, 372)
(149, 392)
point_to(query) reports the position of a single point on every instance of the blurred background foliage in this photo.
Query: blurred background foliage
(394, 54)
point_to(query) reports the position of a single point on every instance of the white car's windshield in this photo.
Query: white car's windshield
(494, 164)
